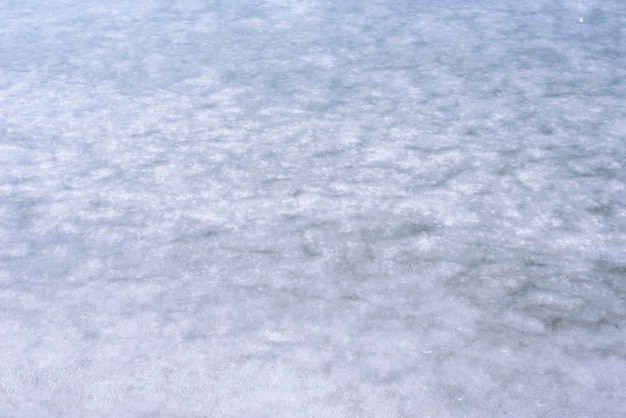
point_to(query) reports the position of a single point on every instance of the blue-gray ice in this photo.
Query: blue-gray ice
(314, 208)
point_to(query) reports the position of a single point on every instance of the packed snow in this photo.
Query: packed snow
(313, 208)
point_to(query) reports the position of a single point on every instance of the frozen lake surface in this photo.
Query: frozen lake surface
(313, 208)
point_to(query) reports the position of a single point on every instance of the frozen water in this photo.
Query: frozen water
(312, 208)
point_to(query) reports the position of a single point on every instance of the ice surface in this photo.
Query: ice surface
(312, 208)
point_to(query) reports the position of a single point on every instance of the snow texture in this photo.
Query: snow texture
(312, 208)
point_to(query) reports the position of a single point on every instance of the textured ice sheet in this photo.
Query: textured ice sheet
(304, 208)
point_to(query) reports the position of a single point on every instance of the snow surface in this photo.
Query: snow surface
(312, 208)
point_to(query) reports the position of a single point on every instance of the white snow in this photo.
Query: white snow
(312, 208)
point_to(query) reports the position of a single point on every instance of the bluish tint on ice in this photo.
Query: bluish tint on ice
(320, 208)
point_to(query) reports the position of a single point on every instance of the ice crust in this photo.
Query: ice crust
(312, 208)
